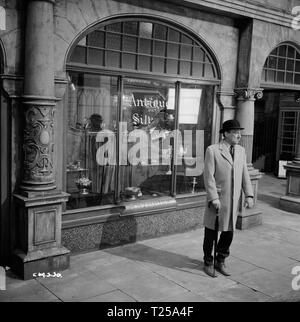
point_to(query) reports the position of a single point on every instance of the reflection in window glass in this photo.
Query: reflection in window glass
(92, 112)
(195, 122)
(146, 29)
(147, 123)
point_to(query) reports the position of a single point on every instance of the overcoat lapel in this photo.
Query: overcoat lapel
(225, 152)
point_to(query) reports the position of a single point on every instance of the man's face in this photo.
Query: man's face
(233, 136)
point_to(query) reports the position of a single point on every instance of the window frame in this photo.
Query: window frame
(177, 80)
(277, 57)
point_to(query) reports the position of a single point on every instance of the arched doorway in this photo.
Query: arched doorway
(277, 114)
(150, 76)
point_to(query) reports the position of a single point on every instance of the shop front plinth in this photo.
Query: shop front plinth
(38, 246)
(291, 201)
(250, 217)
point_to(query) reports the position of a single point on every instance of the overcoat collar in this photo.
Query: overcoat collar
(225, 151)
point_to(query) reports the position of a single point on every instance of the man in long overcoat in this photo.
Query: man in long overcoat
(225, 176)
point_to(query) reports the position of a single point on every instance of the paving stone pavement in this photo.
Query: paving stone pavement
(170, 268)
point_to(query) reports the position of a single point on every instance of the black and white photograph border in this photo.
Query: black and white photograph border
(150, 153)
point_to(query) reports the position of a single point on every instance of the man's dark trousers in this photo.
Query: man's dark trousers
(223, 245)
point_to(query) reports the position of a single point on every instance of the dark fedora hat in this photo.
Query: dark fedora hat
(231, 125)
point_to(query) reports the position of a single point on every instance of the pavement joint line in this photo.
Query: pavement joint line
(49, 290)
(243, 260)
(252, 288)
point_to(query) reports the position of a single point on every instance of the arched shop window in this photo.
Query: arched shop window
(140, 111)
(282, 66)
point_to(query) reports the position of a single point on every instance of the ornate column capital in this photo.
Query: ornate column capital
(248, 93)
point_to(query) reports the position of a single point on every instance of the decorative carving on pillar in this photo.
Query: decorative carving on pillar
(249, 93)
(38, 146)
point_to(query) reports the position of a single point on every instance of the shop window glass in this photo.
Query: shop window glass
(95, 56)
(282, 51)
(290, 78)
(173, 50)
(144, 63)
(112, 59)
(158, 65)
(271, 76)
(185, 68)
(145, 46)
(280, 77)
(297, 79)
(146, 107)
(147, 125)
(159, 48)
(272, 62)
(92, 111)
(116, 27)
(129, 61)
(199, 54)
(281, 65)
(96, 39)
(172, 66)
(130, 27)
(197, 69)
(195, 122)
(146, 29)
(129, 44)
(142, 38)
(113, 41)
(160, 32)
(186, 52)
(79, 54)
(174, 35)
(209, 70)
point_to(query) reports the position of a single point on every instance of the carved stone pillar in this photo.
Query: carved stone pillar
(245, 115)
(291, 201)
(38, 203)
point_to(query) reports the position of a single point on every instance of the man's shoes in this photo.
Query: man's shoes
(209, 270)
(220, 267)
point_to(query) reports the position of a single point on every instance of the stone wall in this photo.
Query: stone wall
(130, 228)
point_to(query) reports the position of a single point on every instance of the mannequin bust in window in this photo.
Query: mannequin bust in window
(96, 123)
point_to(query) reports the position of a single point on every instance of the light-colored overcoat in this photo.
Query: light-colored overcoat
(224, 179)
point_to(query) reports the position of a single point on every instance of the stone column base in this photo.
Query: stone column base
(291, 204)
(38, 246)
(44, 261)
(249, 218)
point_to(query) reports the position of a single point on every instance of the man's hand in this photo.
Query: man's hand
(249, 202)
(216, 204)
